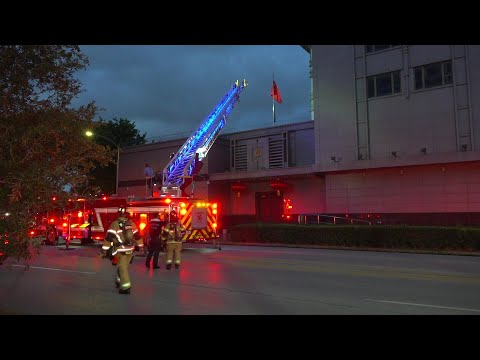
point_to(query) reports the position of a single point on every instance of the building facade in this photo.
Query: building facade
(394, 134)
(397, 129)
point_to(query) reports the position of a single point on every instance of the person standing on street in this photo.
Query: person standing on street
(119, 245)
(173, 234)
(155, 243)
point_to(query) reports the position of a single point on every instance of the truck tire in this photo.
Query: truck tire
(51, 236)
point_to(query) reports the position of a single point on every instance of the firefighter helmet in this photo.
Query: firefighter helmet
(122, 211)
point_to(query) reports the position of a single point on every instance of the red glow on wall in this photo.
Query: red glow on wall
(238, 188)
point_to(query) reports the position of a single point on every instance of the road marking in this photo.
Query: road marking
(350, 270)
(263, 250)
(53, 269)
(425, 305)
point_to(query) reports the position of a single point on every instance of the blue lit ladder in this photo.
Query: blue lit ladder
(183, 163)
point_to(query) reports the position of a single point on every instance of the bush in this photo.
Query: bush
(382, 237)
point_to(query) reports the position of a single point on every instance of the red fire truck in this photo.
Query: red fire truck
(198, 216)
(93, 219)
(55, 223)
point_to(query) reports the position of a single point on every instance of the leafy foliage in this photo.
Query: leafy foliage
(42, 146)
(421, 238)
(119, 132)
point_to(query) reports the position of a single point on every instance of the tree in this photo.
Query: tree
(122, 132)
(42, 146)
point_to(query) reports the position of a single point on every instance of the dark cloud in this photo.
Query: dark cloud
(168, 90)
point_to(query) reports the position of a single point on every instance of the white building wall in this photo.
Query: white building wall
(425, 120)
(307, 195)
(353, 131)
(429, 188)
(334, 101)
(473, 56)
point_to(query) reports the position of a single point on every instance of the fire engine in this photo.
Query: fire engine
(55, 223)
(198, 216)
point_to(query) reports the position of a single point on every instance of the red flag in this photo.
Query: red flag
(276, 93)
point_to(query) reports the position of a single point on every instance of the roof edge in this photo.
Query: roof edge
(307, 48)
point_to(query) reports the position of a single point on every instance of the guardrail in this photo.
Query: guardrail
(329, 219)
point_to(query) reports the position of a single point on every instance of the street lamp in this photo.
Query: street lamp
(89, 133)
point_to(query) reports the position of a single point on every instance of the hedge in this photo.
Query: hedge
(375, 236)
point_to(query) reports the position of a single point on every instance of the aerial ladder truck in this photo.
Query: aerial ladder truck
(188, 160)
(198, 216)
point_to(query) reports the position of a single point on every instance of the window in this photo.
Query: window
(373, 48)
(431, 75)
(384, 84)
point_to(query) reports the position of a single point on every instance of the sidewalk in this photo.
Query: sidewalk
(220, 243)
(305, 246)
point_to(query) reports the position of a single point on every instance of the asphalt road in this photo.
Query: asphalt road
(246, 280)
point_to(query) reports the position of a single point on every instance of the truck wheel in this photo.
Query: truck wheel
(51, 237)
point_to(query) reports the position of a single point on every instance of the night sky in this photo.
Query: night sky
(169, 90)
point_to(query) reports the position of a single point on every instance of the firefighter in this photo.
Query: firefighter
(164, 219)
(172, 234)
(119, 244)
(155, 243)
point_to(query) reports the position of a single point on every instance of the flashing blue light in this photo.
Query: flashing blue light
(204, 136)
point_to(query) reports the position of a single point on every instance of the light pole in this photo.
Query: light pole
(89, 133)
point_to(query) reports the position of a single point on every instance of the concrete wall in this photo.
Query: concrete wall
(334, 102)
(355, 129)
(425, 120)
(429, 188)
(307, 196)
(301, 145)
(473, 52)
(218, 158)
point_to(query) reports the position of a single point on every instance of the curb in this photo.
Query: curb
(305, 246)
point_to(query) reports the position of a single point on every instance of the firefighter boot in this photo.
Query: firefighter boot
(177, 266)
(169, 266)
(124, 291)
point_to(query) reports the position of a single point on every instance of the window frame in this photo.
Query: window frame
(389, 47)
(392, 85)
(443, 65)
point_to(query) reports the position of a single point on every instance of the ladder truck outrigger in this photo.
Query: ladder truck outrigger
(198, 216)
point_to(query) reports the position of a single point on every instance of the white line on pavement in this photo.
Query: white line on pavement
(53, 269)
(425, 305)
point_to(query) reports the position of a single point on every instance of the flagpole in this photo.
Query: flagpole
(273, 99)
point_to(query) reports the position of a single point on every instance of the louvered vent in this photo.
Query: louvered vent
(241, 157)
(275, 154)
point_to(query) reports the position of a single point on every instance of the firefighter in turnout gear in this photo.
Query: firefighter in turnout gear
(155, 243)
(172, 234)
(119, 245)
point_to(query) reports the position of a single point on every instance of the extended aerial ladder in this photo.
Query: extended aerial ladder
(187, 162)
